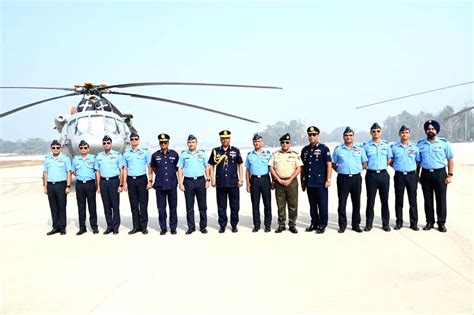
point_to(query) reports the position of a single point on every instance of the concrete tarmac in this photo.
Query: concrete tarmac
(401, 272)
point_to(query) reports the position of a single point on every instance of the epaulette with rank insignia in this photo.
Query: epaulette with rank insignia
(421, 140)
(442, 139)
(294, 152)
(385, 141)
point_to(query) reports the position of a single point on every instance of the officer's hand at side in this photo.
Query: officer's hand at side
(241, 183)
(208, 183)
(98, 189)
(448, 180)
(45, 190)
(68, 190)
(327, 184)
(213, 183)
(181, 187)
(149, 185)
(125, 187)
(248, 188)
(120, 189)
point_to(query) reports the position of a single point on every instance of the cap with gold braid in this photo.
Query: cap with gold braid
(225, 134)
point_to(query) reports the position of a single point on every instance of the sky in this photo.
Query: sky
(329, 57)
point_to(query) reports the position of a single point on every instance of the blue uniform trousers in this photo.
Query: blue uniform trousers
(374, 181)
(234, 201)
(138, 196)
(57, 203)
(111, 200)
(261, 186)
(349, 184)
(161, 196)
(86, 192)
(195, 187)
(409, 181)
(318, 206)
(433, 182)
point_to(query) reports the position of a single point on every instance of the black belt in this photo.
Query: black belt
(136, 177)
(349, 175)
(376, 171)
(433, 170)
(57, 183)
(108, 178)
(85, 181)
(404, 173)
(194, 178)
(259, 176)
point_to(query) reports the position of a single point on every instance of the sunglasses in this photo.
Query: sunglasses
(312, 135)
(163, 142)
(106, 142)
(55, 147)
(134, 139)
(83, 148)
(376, 131)
(284, 142)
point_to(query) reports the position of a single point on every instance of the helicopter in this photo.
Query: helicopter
(95, 116)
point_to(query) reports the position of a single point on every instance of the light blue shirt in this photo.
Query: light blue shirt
(405, 158)
(434, 155)
(136, 161)
(193, 164)
(109, 165)
(377, 154)
(84, 168)
(56, 168)
(257, 163)
(349, 161)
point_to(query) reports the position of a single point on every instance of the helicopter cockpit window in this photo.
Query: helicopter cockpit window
(111, 125)
(121, 127)
(97, 125)
(82, 125)
(71, 127)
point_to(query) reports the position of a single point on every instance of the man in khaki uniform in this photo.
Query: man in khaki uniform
(285, 165)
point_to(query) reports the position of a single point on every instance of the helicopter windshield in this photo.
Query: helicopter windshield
(111, 125)
(71, 127)
(82, 125)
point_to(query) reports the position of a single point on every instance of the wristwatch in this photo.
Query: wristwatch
(68, 186)
(150, 181)
(208, 179)
(450, 174)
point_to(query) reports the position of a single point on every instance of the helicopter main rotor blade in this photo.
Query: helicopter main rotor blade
(37, 88)
(185, 104)
(33, 104)
(126, 85)
(424, 92)
(458, 113)
(114, 108)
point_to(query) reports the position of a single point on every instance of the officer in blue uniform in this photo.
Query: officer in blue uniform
(135, 181)
(57, 184)
(406, 156)
(379, 155)
(435, 155)
(258, 183)
(194, 179)
(348, 161)
(164, 165)
(83, 168)
(109, 164)
(316, 179)
(226, 163)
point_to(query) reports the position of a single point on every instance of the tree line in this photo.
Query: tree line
(456, 129)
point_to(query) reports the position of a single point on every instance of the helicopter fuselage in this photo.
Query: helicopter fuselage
(91, 126)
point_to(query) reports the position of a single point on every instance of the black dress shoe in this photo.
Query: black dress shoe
(341, 230)
(280, 229)
(53, 231)
(95, 230)
(145, 231)
(428, 226)
(133, 231)
(190, 231)
(357, 229)
(397, 226)
(414, 227)
(163, 232)
(386, 228)
(62, 232)
(108, 231)
(173, 232)
(310, 228)
(234, 229)
(255, 229)
(268, 229)
(293, 229)
(116, 231)
(81, 231)
(203, 230)
(222, 230)
(442, 228)
(368, 228)
(320, 230)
